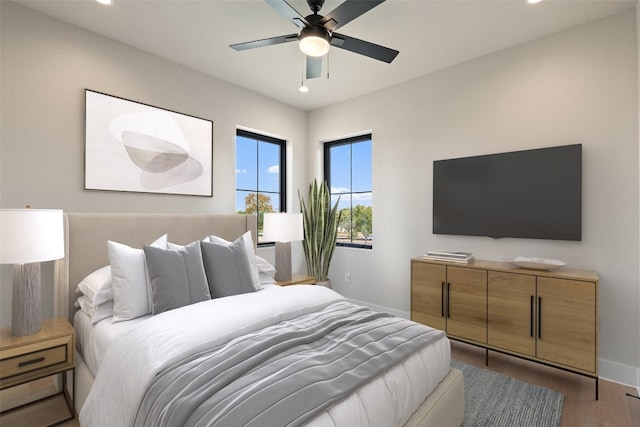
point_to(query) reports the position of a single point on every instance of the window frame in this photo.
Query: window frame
(327, 176)
(282, 172)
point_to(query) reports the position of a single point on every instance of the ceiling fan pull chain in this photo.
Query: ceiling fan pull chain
(328, 66)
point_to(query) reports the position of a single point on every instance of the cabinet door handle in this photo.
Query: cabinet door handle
(442, 298)
(531, 317)
(31, 362)
(448, 299)
(539, 317)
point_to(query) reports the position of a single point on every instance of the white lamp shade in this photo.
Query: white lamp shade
(282, 227)
(30, 235)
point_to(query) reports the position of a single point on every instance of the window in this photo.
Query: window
(260, 175)
(347, 169)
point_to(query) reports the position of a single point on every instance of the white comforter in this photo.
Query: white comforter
(137, 356)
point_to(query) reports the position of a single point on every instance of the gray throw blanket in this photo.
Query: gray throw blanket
(282, 375)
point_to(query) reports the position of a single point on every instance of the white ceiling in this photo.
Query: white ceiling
(429, 34)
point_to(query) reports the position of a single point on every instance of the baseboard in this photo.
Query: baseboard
(608, 370)
(619, 373)
(374, 307)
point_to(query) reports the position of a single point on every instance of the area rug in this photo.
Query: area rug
(495, 400)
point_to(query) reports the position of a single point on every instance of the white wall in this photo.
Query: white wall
(47, 64)
(578, 86)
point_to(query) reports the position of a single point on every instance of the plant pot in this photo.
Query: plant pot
(325, 283)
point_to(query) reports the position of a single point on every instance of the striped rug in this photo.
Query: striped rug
(496, 400)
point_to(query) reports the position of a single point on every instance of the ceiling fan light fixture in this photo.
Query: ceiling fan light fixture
(314, 41)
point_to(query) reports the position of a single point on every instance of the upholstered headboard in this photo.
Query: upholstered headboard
(86, 236)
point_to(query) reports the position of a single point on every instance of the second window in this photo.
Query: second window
(347, 170)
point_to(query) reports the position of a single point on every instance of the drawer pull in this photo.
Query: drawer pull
(31, 362)
(531, 317)
(539, 317)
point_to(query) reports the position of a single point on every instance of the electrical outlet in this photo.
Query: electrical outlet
(347, 277)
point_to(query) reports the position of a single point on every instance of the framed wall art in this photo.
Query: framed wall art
(130, 146)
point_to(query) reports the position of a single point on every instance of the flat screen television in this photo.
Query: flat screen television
(534, 194)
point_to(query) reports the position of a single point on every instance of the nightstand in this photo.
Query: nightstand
(298, 279)
(45, 353)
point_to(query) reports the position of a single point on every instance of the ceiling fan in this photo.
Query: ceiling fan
(317, 32)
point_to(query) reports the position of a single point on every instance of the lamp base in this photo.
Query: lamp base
(283, 261)
(25, 305)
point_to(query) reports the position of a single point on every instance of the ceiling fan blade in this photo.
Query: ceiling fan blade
(347, 12)
(286, 10)
(314, 67)
(362, 47)
(265, 42)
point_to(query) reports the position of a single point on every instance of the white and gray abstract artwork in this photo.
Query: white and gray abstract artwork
(136, 147)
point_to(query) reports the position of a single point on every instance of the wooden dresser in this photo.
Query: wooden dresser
(549, 317)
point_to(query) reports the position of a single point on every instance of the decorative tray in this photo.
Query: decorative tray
(536, 263)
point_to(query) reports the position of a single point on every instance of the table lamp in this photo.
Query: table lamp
(28, 237)
(282, 228)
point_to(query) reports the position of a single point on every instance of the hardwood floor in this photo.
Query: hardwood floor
(42, 413)
(614, 409)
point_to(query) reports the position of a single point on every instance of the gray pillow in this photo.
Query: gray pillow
(228, 268)
(177, 277)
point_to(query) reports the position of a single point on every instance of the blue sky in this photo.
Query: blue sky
(268, 175)
(266, 157)
(360, 180)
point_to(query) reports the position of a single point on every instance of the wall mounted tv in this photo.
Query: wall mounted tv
(534, 194)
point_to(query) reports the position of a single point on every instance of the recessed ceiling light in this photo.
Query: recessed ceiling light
(533, 1)
(105, 1)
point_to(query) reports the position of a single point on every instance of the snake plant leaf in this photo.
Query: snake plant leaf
(320, 222)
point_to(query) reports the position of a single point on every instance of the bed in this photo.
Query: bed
(120, 365)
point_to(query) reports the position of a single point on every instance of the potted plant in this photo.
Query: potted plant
(320, 224)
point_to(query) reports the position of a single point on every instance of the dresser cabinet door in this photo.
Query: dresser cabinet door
(511, 312)
(427, 294)
(567, 324)
(466, 308)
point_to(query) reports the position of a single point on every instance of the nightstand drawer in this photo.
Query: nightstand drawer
(34, 360)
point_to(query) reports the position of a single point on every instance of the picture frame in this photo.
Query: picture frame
(135, 147)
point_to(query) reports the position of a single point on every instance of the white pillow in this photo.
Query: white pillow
(265, 267)
(97, 286)
(177, 247)
(95, 312)
(249, 248)
(130, 280)
(266, 279)
(174, 246)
